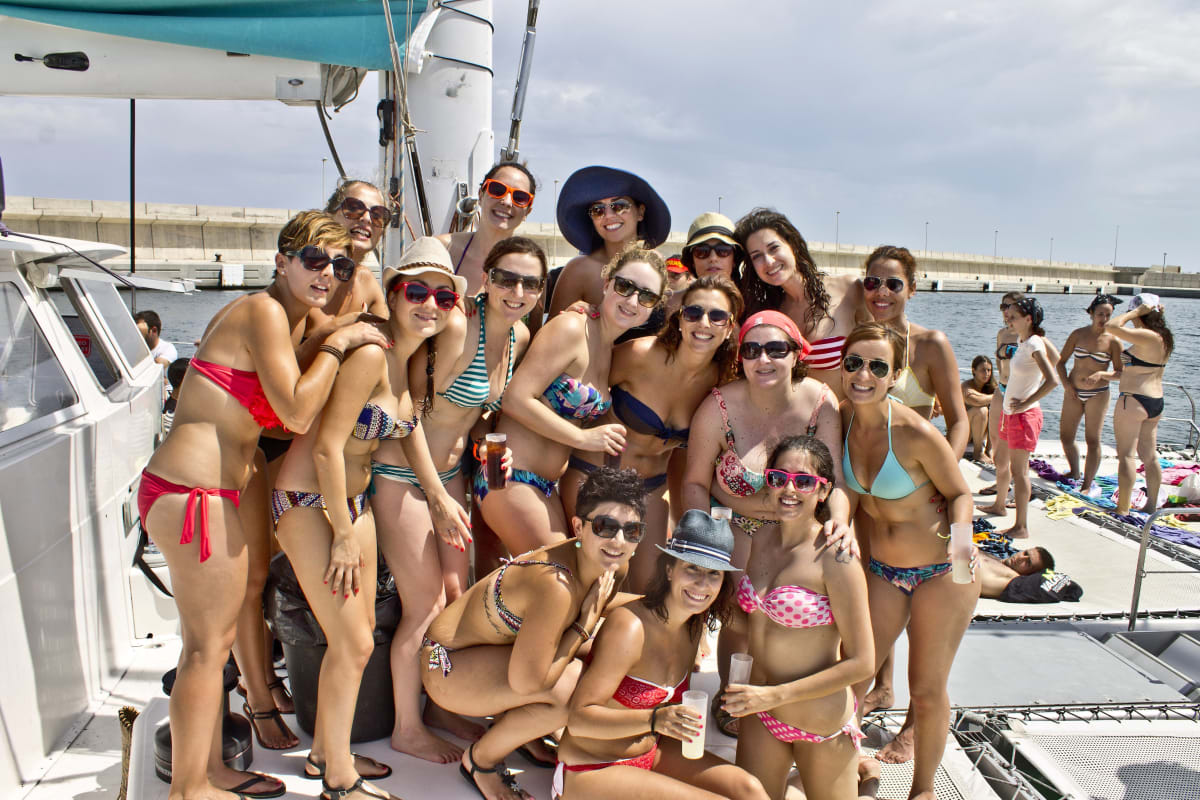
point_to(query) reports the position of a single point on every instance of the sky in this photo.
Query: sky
(989, 125)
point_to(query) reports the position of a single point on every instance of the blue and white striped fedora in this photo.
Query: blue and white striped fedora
(701, 540)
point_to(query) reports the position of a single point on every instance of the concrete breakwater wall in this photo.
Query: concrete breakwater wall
(205, 243)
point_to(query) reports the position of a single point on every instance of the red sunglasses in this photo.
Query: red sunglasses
(418, 293)
(804, 482)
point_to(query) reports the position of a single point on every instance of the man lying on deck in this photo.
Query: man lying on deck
(997, 574)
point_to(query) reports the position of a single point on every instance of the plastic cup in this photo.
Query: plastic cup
(740, 665)
(721, 512)
(496, 444)
(960, 552)
(697, 701)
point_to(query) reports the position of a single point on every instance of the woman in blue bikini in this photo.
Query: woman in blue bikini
(556, 400)
(424, 532)
(904, 460)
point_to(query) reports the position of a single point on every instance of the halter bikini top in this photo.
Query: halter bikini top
(892, 482)
(907, 388)
(473, 386)
(573, 399)
(641, 418)
(463, 255)
(245, 388)
(733, 475)
(789, 606)
(375, 423)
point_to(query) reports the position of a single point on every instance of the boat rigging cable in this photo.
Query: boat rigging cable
(511, 151)
(401, 127)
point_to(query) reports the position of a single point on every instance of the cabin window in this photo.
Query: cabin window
(89, 340)
(119, 320)
(32, 382)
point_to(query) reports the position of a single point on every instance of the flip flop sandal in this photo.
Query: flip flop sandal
(243, 789)
(506, 777)
(987, 490)
(359, 759)
(256, 716)
(330, 793)
(726, 722)
(272, 686)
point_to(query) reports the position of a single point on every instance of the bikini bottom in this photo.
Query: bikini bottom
(283, 500)
(545, 485)
(1153, 405)
(439, 656)
(749, 525)
(273, 448)
(648, 484)
(1087, 394)
(400, 474)
(787, 733)
(153, 487)
(907, 579)
(644, 761)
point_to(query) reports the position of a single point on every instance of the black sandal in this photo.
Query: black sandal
(271, 687)
(243, 789)
(506, 777)
(277, 718)
(727, 723)
(309, 761)
(330, 793)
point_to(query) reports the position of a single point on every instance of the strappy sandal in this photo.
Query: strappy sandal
(257, 716)
(385, 770)
(727, 723)
(243, 789)
(289, 704)
(506, 777)
(330, 793)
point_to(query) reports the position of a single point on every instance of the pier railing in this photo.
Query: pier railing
(1142, 572)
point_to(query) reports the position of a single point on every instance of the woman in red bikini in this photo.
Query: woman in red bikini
(243, 378)
(629, 695)
(810, 636)
(781, 275)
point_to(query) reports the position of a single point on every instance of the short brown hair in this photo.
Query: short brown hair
(313, 227)
(878, 332)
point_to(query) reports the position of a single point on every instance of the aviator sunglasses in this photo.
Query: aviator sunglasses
(872, 283)
(751, 351)
(316, 259)
(607, 527)
(879, 367)
(619, 206)
(503, 279)
(498, 190)
(418, 293)
(717, 316)
(645, 297)
(803, 481)
(354, 208)
(703, 251)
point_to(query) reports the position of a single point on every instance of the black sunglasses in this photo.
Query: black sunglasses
(1006, 306)
(751, 351)
(645, 297)
(879, 367)
(316, 259)
(418, 293)
(894, 285)
(607, 527)
(354, 208)
(509, 280)
(705, 250)
(803, 481)
(717, 316)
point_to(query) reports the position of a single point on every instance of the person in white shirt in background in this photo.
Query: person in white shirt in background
(162, 351)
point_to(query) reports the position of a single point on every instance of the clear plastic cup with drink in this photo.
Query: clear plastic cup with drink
(495, 445)
(740, 665)
(960, 551)
(697, 701)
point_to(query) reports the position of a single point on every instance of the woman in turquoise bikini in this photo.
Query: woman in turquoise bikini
(907, 461)
(423, 530)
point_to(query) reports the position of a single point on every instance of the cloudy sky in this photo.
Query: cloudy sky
(1033, 119)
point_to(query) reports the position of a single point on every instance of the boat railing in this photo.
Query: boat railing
(1193, 435)
(1142, 572)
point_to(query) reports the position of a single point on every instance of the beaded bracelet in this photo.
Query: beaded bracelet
(333, 351)
(582, 631)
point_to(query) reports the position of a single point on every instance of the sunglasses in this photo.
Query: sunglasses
(607, 527)
(498, 190)
(645, 297)
(803, 481)
(1006, 306)
(879, 367)
(354, 208)
(751, 351)
(620, 206)
(418, 293)
(503, 279)
(894, 285)
(717, 316)
(316, 259)
(703, 251)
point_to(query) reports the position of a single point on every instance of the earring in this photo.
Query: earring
(578, 544)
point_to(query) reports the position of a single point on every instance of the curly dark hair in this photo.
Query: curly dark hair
(1157, 321)
(518, 165)
(719, 614)
(726, 356)
(758, 295)
(900, 254)
(821, 458)
(608, 485)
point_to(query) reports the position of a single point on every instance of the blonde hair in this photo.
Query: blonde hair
(637, 254)
(313, 227)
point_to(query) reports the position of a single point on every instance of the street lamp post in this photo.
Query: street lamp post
(1052, 251)
(1164, 262)
(927, 239)
(720, 197)
(1116, 239)
(995, 243)
(837, 220)
(323, 160)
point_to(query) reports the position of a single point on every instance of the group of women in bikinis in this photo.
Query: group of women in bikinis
(341, 419)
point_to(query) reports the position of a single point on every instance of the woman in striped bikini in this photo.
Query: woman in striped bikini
(783, 276)
(419, 487)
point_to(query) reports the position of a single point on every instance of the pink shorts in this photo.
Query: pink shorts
(1021, 431)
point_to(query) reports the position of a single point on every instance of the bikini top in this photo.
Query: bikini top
(1005, 352)
(637, 693)
(907, 388)
(473, 387)
(511, 620)
(826, 353)
(245, 388)
(1129, 358)
(733, 475)
(892, 482)
(574, 399)
(375, 423)
(789, 606)
(462, 256)
(1099, 356)
(641, 418)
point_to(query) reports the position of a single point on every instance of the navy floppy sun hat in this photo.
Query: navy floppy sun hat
(587, 185)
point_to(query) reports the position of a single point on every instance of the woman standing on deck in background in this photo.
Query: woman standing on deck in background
(505, 200)
(782, 276)
(978, 391)
(250, 381)
(1140, 404)
(1097, 355)
(424, 532)
(1006, 346)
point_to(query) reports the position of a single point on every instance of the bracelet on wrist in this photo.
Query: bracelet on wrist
(653, 714)
(333, 351)
(582, 631)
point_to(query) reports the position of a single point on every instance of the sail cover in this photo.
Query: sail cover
(351, 33)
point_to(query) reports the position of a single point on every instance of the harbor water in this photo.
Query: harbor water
(970, 321)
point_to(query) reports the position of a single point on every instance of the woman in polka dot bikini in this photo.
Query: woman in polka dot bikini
(810, 637)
